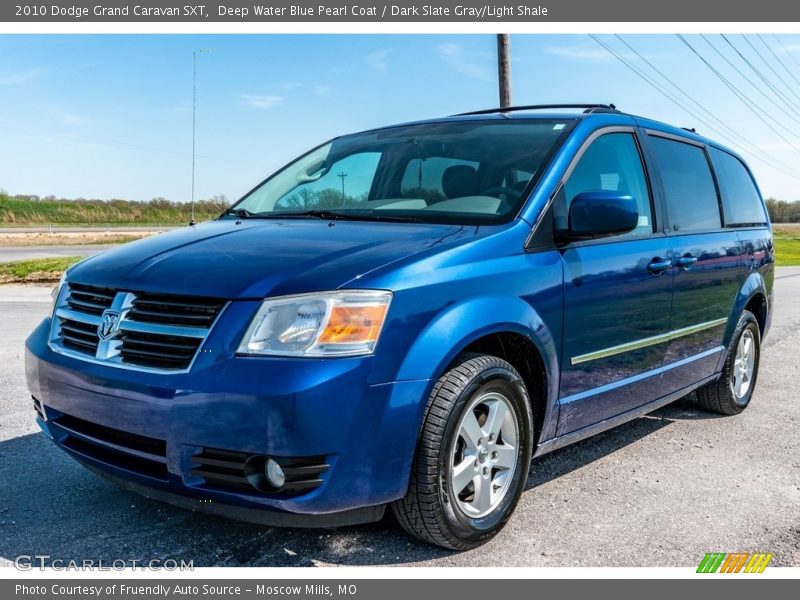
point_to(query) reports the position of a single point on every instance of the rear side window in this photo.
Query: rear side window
(741, 202)
(689, 189)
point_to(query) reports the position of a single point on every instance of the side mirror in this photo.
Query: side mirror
(601, 213)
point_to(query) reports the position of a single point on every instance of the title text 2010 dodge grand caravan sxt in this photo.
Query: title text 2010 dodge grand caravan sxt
(406, 316)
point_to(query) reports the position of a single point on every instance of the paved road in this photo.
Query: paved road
(659, 491)
(13, 253)
(114, 228)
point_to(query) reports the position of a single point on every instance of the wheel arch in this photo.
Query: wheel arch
(752, 296)
(522, 338)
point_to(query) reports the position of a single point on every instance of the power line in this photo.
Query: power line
(738, 94)
(774, 163)
(777, 58)
(785, 49)
(753, 149)
(769, 66)
(760, 75)
(752, 83)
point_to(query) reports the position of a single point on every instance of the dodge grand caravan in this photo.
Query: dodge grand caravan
(405, 317)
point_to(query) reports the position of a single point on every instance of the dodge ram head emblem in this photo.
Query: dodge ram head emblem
(109, 324)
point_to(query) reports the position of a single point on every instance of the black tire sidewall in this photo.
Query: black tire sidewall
(748, 322)
(507, 383)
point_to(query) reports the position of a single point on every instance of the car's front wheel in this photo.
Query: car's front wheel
(473, 455)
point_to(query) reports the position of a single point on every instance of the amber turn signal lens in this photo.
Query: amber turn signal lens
(353, 324)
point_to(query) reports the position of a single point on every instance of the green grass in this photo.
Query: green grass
(39, 270)
(787, 244)
(23, 211)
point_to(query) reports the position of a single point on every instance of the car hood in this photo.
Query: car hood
(253, 259)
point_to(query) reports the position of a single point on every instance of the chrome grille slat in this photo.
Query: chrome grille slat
(74, 315)
(161, 329)
(154, 332)
(84, 305)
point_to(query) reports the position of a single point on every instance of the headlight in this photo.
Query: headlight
(343, 323)
(56, 292)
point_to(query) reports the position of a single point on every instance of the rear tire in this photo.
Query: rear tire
(731, 393)
(473, 455)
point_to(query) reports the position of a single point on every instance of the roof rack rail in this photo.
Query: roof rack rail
(689, 129)
(588, 108)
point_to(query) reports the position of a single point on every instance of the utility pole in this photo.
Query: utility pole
(504, 69)
(342, 175)
(194, 123)
(194, 120)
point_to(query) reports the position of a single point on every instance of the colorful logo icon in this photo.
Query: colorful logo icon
(736, 562)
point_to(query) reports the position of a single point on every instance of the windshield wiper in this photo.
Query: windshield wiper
(241, 213)
(332, 215)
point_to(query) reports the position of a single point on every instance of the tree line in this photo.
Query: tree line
(782, 211)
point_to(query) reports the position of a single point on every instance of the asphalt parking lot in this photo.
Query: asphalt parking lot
(659, 491)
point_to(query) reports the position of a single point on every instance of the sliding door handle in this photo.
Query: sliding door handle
(684, 262)
(658, 265)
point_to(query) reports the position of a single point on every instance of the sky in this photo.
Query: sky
(110, 116)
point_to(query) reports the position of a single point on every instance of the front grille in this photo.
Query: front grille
(164, 351)
(240, 471)
(154, 331)
(79, 336)
(177, 310)
(136, 453)
(89, 299)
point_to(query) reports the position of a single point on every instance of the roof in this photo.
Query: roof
(607, 114)
(592, 112)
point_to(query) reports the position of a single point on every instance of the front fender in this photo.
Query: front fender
(460, 324)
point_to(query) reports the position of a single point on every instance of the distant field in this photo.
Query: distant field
(787, 243)
(37, 271)
(16, 239)
(18, 211)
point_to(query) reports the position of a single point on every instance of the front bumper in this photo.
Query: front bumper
(277, 407)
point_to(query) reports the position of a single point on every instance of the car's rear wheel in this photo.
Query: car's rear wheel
(473, 455)
(731, 393)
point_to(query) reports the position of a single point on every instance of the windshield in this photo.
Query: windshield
(467, 172)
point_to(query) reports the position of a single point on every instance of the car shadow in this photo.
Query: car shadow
(565, 460)
(51, 506)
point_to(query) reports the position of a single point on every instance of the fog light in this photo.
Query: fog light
(274, 473)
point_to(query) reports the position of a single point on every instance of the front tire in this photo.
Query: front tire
(731, 393)
(473, 455)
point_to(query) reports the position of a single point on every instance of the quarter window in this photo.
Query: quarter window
(741, 201)
(612, 162)
(689, 189)
(344, 184)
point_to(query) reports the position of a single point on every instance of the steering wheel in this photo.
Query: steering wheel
(511, 193)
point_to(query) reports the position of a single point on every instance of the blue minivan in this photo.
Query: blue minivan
(406, 316)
